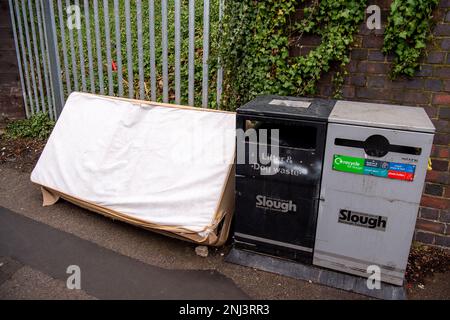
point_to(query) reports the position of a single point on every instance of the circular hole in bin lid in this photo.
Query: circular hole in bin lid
(376, 146)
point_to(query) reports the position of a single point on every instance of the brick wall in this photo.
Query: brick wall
(11, 101)
(368, 80)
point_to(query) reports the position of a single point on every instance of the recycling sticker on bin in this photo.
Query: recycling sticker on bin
(373, 167)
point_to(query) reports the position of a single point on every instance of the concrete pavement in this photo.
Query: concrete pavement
(161, 257)
(121, 261)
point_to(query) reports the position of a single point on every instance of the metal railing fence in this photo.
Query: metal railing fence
(163, 50)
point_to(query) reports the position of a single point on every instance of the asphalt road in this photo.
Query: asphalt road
(120, 261)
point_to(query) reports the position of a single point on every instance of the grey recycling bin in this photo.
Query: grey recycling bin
(375, 162)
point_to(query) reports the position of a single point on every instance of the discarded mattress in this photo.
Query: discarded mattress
(158, 166)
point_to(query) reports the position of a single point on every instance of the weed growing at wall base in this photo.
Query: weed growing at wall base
(38, 126)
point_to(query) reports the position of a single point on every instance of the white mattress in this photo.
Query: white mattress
(160, 164)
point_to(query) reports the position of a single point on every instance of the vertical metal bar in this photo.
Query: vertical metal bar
(191, 52)
(55, 67)
(165, 69)
(98, 49)
(118, 47)
(50, 92)
(205, 53)
(44, 58)
(140, 50)
(72, 49)
(81, 53)
(177, 51)
(36, 53)
(129, 49)
(219, 60)
(33, 76)
(151, 6)
(89, 45)
(19, 58)
(108, 47)
(25, 61)
(64, 48)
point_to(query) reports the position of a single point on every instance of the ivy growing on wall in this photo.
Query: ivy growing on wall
(406, 34)
(258, 35)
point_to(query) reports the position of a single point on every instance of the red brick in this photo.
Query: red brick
(441, 139)
(310, 40)
(444, 153)
(352, 66)
(447, 192)
(442, 241)
(440, 152)
(376, 81)
(304, 50)
(414, 83)
(441, 125)
(373, 42)
(348, 91)
(434, 189)
(358, 54)
(384, 5)
(433, 202)
(442, 30)
(424, 237)
(445, 217)
(444, 113)
(442, 72)
(415, 97)
(447, 82)
(326, 91)
(429, 213)
(358, 80)
(431, 111)
(391, 57)
(376, 55)
(430, 226)
(441, 98)
(439, 165)
(425, 71)
(444, 4)
(377, 67)
(397, 95)
(438, 177)
(433, 85)
(436, 57)
(445, 44)
(294, 51)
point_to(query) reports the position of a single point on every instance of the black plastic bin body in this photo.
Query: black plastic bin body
(276, 213)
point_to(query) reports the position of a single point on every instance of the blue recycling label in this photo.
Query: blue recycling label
(402, 167)
(379, 172)
(372, 163)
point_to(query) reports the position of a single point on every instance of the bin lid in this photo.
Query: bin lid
(381, 116)
(289, 107)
